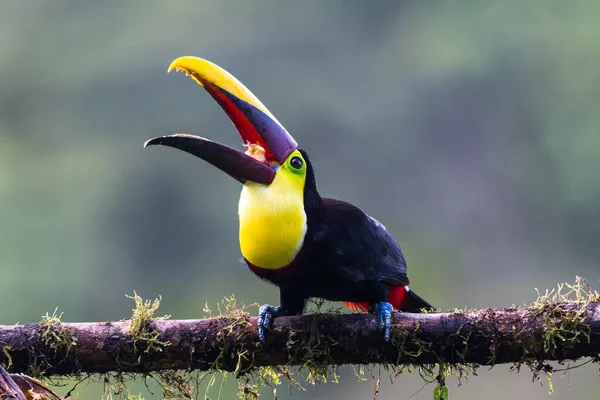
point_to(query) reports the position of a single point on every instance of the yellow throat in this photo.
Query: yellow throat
(272, 218)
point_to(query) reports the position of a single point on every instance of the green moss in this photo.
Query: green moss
(140, 329)
(564, 326)
(115, 388)
(229, 308)
(6, 351)
(252, 379)
(239, 325)
(55, 335)
(175, 384)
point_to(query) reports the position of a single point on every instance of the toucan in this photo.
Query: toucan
(307, 245)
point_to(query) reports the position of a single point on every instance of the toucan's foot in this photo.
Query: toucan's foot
(384, 313)
(266, 313)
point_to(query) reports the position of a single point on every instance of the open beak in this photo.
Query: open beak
(269, 144)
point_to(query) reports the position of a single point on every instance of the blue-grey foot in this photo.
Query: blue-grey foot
(266, 313)
(384, 313)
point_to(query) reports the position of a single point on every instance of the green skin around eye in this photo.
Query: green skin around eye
(296, 164)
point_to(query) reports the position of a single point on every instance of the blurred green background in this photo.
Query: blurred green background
(470, 129)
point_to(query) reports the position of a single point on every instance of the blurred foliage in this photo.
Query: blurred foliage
(469, 128)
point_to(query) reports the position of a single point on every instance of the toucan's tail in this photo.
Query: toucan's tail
(412, 302)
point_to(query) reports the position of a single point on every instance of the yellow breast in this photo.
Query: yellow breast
(272, 222)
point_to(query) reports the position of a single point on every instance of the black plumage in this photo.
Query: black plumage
(346, 256)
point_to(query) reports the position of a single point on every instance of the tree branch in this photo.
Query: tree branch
(549, 331)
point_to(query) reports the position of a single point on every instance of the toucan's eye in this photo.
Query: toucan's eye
(296, 162)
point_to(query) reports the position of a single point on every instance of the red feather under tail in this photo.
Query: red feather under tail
(397, 296)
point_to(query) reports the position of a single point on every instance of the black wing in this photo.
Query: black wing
(359, 247)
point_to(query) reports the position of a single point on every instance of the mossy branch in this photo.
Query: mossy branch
(545, 331)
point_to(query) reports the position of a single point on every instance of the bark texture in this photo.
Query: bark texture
(552, 331)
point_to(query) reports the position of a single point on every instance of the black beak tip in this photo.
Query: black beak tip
(153, 142)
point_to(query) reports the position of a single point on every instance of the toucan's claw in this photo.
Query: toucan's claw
(266, 313)
(384, 313)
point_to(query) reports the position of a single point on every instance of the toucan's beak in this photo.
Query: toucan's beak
(258, 128)
(238, 165)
